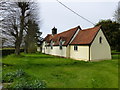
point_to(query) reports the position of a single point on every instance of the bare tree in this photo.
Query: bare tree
(15, 20)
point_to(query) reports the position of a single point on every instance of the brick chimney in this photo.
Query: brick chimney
(54, 31)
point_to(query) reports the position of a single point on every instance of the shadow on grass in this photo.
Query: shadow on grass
(3, 64)
(116, 56)
(62, 64)
(39, 57)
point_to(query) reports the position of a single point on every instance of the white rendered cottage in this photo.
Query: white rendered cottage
(88, 44)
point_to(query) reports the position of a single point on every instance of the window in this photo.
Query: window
(46, 46)
(75, 47)
(100, 40)
(51, 47)
(60, 44)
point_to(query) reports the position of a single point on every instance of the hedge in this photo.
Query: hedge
(9, 51)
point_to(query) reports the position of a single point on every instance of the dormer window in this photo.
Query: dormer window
(63, 42)
(46, 46)
(53, 43)
(60, 44)
(100, 40)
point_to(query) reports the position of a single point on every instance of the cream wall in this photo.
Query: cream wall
(99, 51)
(68, 51)
(56, 51)
(81, 54)
(43, 47)
(38, 49)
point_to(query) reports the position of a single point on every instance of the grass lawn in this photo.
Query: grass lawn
(65, 73)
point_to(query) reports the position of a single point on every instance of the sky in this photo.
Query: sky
(53, 14)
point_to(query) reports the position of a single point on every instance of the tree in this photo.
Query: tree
(112, 32)
(31, 37)
(117, 13)
(15, 20)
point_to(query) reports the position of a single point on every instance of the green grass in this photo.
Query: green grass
(115, 52)
(8, 48)
(65, 73)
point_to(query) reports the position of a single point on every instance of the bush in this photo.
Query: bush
(29, 84)
(10, 76)
(19, 79)
(6, 52)
(19, 73)
(7, 78)
(23, 83)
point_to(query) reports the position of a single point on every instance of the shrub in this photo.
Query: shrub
(10, 76)
(19, 79)
(24, 83)
(6, 52)
(19, 73)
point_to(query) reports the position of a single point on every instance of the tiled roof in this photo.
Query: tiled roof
(48, 38)
(65, 36)
(86, 36)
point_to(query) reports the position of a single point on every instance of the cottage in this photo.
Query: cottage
(87, 44)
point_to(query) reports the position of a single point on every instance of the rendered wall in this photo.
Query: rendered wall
(43, 47)
(81, 54)
(56, 51)
(100, 51)
(68, 51)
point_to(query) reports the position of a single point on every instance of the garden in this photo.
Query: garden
(45, 71)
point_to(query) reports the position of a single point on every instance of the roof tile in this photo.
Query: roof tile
(86, 36)
(65, 36)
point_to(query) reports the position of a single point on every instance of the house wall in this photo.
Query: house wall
(68, 51)
(43, 47)
(81, 54)
(99, 51)
(56, 51)
(39, 49)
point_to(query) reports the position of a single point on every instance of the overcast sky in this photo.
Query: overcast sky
(54, 14)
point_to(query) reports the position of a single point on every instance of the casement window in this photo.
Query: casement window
(75, 47)
(46, 46)
(51, 47)
(100, 40)
(60, 44)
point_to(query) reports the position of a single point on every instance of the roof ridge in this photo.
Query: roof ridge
(68, 30)
(91, 28)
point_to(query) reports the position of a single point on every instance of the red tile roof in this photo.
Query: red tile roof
(86, 36)
(65, 36)
(48, 38)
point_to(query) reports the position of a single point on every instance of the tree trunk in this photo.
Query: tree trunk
(19, 38)
(17, 48)
(26, 47)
